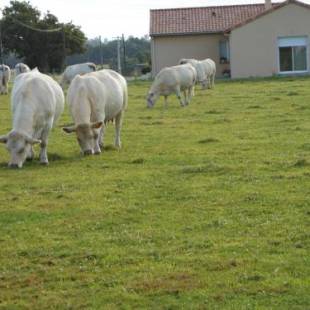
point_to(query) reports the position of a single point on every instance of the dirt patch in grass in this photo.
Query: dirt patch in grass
(208, 140)
(213, 112)
(172, 284)
(301, 163)
(55, 157)
(109, 147)
(255, 107)
(138, 161)
(292, 93)
(305, 146)
(208, 168)
(222, 120)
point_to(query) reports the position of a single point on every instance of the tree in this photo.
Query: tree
(137, 52)
(42, 41)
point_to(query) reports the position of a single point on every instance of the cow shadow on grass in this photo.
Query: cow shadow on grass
(57, 158)
(35, 163)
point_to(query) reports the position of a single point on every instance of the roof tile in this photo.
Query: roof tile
(201, 19)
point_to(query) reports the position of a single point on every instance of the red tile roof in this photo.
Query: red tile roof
(201, 19)
(264, 12)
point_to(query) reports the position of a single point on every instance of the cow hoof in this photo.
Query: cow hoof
(44, 163)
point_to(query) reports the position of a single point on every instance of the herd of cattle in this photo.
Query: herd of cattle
(94, 98)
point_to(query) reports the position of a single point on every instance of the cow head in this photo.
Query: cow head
(87, 136)
(151, 99)
(19, 145)
(204, 84)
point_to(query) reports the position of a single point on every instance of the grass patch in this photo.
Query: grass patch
(205, 207)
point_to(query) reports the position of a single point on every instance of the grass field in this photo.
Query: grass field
(205, 207)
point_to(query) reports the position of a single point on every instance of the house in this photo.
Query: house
(252, 40)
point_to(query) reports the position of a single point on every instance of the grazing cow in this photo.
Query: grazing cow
(5, 75)
(94, 99)
(200, 69)
(37, 103)
(210, 71)
(21, 68)
(78, 69)
(177, 79)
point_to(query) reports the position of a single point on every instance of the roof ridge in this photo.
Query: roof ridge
(211, 7)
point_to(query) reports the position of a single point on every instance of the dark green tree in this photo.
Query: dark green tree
(41, 41)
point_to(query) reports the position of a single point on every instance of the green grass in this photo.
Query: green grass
(205, 207)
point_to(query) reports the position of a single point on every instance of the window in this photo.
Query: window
(224, 51)
(292, 54)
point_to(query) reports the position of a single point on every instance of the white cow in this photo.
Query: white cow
(210, 71)
(94, 99)
(176, 79)
(37, 102)
(21, 68)
(78, 69)
(200, 69)
(5, 75)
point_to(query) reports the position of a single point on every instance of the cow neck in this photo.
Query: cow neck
(83, 111)
(23, 118)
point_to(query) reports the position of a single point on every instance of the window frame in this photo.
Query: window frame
(291, 46)
(227, 49)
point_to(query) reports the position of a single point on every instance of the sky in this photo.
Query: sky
(112, 18)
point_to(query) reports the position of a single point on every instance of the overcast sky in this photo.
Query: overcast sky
(115, 17)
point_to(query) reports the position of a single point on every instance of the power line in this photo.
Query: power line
(36, 29)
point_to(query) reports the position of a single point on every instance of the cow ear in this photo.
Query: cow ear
(4, 139)
(96, 125)
(32, 141)
(69, 129)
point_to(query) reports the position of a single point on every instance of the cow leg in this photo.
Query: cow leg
(209, 81)
(178, 93)
(97, 149)
(193, 91)
(44, 141)
(30, 154)
(190, 94)
(101, 136)
(213, 78)
(185, 97)
(165, 102)
(118, 127)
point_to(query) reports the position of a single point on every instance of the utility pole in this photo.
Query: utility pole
(119, 66)
(101, 53)
(1, 46)
(124, 53)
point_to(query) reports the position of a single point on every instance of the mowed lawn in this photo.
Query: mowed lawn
(205, 207)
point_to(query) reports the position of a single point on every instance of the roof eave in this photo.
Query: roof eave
(185, 33)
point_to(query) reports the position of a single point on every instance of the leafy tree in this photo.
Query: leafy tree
(42, 41)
